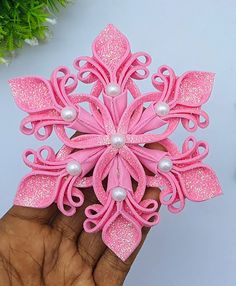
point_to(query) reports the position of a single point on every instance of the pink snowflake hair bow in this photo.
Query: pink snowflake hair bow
(111, 146)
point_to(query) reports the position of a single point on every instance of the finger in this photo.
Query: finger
(110, 270)
(42, 216)
(72, 226)
(156, 146)
(91, 247)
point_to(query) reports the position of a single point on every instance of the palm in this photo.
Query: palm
(43, 247)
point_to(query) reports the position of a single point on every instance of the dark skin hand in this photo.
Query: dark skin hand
(44, 247)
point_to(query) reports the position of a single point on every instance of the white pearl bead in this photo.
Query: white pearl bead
(74, 168)
(165, 165)
(113, 89)
(117, 140)
(68, 114)
(119, 194)
(162, 109)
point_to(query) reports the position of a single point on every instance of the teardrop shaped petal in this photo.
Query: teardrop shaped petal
(32, 94)
(200, 184)
(122, 235)
(36, 190)
(111, 48)
(194, 88)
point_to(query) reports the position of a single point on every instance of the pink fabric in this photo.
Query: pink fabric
(119, 218)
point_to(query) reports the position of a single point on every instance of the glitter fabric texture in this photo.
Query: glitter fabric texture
(34, 88)
(112, 144)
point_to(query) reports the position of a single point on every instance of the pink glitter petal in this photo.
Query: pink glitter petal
(201, 184)
(37, 191)
(194, 88)
(111, 48)
(31, 94)
(122, 234)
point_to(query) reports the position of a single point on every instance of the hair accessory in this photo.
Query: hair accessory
(112, 146)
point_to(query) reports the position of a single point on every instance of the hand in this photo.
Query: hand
(44, 247)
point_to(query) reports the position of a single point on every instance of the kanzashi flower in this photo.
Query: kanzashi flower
(111, 146)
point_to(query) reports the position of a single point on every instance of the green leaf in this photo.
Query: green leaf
(24, 19)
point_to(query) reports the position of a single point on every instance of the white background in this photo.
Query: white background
(197, 247)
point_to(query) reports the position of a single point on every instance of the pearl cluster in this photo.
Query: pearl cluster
(68, 114)
(119, 194)
(74, 168)
(113, 89)
(162, 109)
(165, 165)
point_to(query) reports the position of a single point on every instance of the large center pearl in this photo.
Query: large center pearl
(165, 165)
(113, 89)
(74, 168)
(117, 140)
(119, 194)
(162, 109)
(68, 114)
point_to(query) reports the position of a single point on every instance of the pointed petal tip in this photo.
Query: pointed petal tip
(194, 88)
(111, 27)
(201, 183)
(36, 190)
(111, 48)
(211, 75)
(12, 82)
(122, 235)
(123, 256)
(220, 192)
(31, 94)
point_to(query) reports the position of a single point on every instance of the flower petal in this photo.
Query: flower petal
(32, 94)
(37, 190)
(149, 121)
(148, 157)
(194, 88)
(135, 167)
(200, 183)
(122, 234)
(87, 158)
(116, 105)
(101, 168)
(119, 175)
(111, 48)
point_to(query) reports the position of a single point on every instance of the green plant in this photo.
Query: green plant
(25, 21)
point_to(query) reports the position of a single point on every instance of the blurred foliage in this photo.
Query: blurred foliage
(25, 21)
